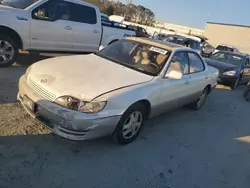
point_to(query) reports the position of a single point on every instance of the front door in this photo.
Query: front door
(50, 27)
(246, 71)
(174, 93)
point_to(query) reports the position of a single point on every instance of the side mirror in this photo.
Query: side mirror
(175, 75)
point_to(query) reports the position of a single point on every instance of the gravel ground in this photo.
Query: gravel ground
(181, 149)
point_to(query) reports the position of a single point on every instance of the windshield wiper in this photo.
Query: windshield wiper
(7, 4)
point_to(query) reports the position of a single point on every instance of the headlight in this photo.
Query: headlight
(81, 106)
(27, 72)
(229, 73)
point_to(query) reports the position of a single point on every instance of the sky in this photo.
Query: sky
(195, 13)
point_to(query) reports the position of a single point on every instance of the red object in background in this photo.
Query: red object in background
(140, 31)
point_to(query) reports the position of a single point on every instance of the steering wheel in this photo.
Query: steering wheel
(154, 65)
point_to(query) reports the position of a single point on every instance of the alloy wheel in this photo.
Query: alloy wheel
(202, 98)
(6, 52)
(132, 124)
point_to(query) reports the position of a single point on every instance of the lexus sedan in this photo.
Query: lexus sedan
(114, 91)
(234, 68)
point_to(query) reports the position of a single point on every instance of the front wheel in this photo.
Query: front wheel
(235, 84)
(8, 51)
(130, 124)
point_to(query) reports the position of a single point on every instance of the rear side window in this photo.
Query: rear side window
(83, 14)
(196, 64)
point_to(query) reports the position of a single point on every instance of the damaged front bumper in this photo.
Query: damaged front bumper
(66, 123)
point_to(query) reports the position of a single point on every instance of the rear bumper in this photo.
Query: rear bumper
(66, 123)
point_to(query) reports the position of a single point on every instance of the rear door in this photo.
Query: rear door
(86, 27)
(198, 78)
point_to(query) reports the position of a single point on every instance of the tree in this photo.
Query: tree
(109, 11)
(137, 14)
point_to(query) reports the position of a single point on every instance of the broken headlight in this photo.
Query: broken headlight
(81, 106)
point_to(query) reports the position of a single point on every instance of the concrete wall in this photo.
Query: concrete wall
(238, 36)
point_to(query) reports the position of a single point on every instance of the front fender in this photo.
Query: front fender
(120, 100)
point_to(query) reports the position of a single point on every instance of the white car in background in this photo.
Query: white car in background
(116, 90)
(53, 26)
(227, 48)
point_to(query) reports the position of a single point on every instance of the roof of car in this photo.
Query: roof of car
(234, 53)
(158, 43)
(225, 45)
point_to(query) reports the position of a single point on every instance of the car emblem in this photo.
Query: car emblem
(43, 81)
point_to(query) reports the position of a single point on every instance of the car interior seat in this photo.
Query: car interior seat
(137, 57)
(160, 59)
(145, 58)
(175, 66)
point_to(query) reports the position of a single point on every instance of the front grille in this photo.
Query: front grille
(40, 90)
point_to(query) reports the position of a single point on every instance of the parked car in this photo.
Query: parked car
(246, 93)
(226, 48)
(207, 50)
(184, 41)
(115, 90)
(234, 68)
(159, 36)
(140, 31)
(56, 26)
(105, 18)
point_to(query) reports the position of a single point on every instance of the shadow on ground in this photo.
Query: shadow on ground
(204, 149)
(25, 60)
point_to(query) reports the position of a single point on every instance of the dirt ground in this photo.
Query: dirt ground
(181, 149)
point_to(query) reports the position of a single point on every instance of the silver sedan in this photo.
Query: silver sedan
(116, 90)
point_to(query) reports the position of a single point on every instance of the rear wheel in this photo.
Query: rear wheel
(8, 51)
(201, 101)
(130, 124)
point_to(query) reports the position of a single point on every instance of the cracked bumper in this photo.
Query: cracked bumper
(66, 123)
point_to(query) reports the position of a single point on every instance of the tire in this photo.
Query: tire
(8, 50)
(197, 105)
(235, 84)
(125, 124)
(246, 94)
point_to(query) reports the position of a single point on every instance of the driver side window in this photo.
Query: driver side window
(52, 11)
(179, 63)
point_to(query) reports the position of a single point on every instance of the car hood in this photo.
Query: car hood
(222, 67)
(84, 76)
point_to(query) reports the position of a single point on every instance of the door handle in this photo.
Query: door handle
(187, 82)
(206, 78)
(68, 27)
(95, 31)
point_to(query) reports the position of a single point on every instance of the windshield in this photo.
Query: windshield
(228, 58)
(141, 57)
(224, 48)
(20, 4)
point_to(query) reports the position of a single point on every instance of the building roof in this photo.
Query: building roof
(158, 43)
(235, 25)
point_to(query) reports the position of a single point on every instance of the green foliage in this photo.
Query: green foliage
(137, 14)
